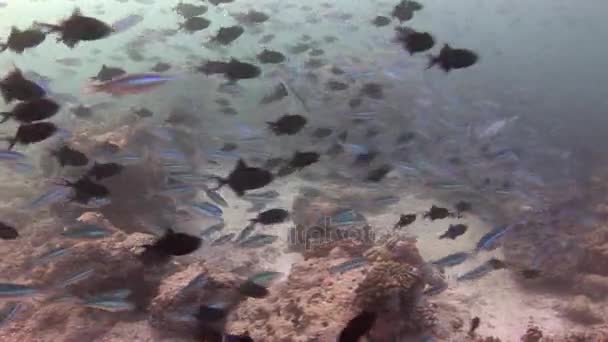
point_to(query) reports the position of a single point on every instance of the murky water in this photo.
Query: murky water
(203, 193)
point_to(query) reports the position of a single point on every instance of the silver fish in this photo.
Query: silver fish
(87, 231)
(9, 290)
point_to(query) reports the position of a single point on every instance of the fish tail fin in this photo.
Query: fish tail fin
(220, 183)
(11, 143)
(3, 47)
(5, 117)
(49, 27)
(92, 88)
(432, 61)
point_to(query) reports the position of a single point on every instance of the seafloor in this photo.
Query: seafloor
(309, 303)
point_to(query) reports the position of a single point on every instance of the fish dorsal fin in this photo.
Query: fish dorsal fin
(241, 165)
(77, 12)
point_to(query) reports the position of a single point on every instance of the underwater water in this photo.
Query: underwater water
(239, 170)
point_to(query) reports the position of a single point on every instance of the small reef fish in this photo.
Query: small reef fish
(474, 325)
(8, 311)
(454, 231)
(437, 213)
(452, 259)
(129, 84)
(78, 277)
(223, 239)
(348, 265)
(54, 195)
(216, 197)
(206, 209)
(490, 240)
(126, 23)
(110, 304)
(10, 290)
(50, 255)
(258, 240)
(87, 231)
(271, 216)
(213, 229)
(253, 290)
(8, 232)
(405, 220)
(482, 270)
(265, 278)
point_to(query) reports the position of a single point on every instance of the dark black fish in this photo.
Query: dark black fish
(322, 132)
(18, 40)
(405, 138)
(217, 2)
(222, 102)
(372, 90)
(233, 70)
(244, 178)
(462, 206)
(404, 11)
(288, 124)
(266, 39)
(104, 170)
(229, 111)
(454, 231)
(358, 327)
(316, 52)
(496, 264)
(299, 161)
(78, 28)
(16, 87)
(85, 190)
(175, 244)
(270, 57)
(355, 103)
(107, 73)
(279, 92)
(211, 313)
(378, 174)
(7, 232)
(194, 24)
(365, 158)
(299, 48)
(449, 58)
(227, 35)
(253, 290)
(187, 10)
(405, 220)
(531, 273)
(414, 41)
(335, 85)
(30, 111)
(69, 156)
(380, 21)
(142, 112)
(32, 133)
(271, 216)
(229, 147)
(251, 17)
(474, 325)
(161, 67)
(437, 213)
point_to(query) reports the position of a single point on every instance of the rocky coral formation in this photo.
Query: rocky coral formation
(314, 304)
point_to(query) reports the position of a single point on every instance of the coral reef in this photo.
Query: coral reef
(314, 304)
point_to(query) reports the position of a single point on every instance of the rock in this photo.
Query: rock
(580, 310)
(180, 296)
(313, 304)
(592, 285)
